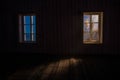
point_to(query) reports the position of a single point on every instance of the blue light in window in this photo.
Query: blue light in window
(26, 19)
(34, 19)
(27, 28)
(27, 36)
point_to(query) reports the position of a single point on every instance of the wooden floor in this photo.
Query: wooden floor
(71, 69)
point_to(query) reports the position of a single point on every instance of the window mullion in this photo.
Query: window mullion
(100, 28)
(91, 27)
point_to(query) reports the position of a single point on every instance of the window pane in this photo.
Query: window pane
(33, 28)
(34, 19)
(86, 27)
(95, 29)
(26, 19)
(95, 18)
(34, 37)
(86, 18)
(95, 36)
(27, 37)
(86, 31)
(86, 36)
(26, 28)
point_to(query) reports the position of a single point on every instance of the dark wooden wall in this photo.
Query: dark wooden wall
(59, 26)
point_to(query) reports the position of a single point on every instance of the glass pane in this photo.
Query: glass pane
(95, 18)
(86, 31)
(34, 37)
(86, 36)
(86, 18)
(34, 19)
(26, 28)
(95, 36)
(86, 28)
(33, 28)
(27, 37)
(26, 19)
(95, 29)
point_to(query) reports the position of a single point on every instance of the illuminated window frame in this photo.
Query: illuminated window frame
(23, 25)
(100, 27)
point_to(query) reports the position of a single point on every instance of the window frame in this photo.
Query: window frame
(21, 28)
(100, 27)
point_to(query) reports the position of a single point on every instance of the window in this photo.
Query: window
(27, 28)
(92, 27)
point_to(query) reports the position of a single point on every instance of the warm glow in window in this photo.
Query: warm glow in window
(92, 27)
